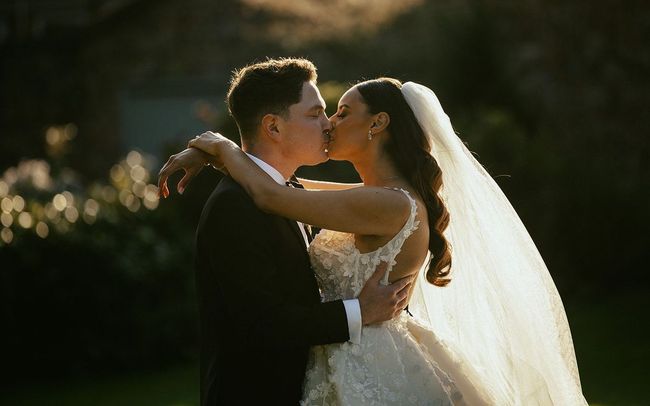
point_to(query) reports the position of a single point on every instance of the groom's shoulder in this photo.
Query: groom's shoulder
(227, 186)
(228, 196)
(230, 207)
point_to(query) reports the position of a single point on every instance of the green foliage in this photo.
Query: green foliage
(111, 288)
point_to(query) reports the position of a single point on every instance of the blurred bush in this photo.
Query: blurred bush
(94, 278)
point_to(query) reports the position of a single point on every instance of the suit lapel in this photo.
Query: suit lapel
(296, 231)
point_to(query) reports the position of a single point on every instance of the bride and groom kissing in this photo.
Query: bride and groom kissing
(285, 319)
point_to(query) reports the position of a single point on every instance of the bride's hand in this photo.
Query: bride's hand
(212, 143)
(191, 161)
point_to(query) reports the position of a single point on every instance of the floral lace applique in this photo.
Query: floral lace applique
(388, 367)
(342, 270)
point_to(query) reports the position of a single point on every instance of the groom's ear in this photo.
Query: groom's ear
(270, 126)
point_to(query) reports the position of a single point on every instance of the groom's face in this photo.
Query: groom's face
(304, 129)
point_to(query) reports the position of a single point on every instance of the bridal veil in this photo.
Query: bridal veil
(501, 315)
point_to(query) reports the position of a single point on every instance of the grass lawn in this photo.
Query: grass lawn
(612, 348)
(176, 386)
(610, 336)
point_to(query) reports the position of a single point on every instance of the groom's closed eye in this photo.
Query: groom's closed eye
(316, 111)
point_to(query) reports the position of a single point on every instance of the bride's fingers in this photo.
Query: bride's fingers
(162, 181)
(198, 143)
(194, 141)
(184, 181)
(163, 191)
(169, 168)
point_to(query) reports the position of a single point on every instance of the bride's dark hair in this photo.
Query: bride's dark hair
(409, 149)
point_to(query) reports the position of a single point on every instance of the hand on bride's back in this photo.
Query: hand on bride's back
(383, 302)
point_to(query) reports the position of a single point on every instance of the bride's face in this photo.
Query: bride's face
(351, 123)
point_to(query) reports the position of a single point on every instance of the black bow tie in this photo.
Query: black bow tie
(293, 181)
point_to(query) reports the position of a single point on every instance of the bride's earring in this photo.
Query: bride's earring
(369, 135)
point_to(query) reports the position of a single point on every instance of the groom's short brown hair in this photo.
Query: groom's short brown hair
(266, 87)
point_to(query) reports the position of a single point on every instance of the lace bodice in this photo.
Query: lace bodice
(342, 270)
(389, 366)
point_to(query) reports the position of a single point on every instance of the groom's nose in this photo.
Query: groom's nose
(327, 125)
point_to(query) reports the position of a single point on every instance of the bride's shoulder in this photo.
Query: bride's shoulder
(394, 195)
(397, 201)
(407, 197)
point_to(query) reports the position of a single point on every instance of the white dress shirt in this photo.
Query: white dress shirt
(352, 307)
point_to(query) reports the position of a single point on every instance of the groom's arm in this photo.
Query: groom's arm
(240, 253)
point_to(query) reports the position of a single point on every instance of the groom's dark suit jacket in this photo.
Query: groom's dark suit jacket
(259, 305)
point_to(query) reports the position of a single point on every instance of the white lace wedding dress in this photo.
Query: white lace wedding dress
(399, 362)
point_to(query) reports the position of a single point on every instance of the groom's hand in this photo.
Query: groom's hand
(190, 160)
(383, 302)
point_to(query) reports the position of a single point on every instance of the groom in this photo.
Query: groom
(259, 303)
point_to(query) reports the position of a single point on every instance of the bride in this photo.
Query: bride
(485, 324)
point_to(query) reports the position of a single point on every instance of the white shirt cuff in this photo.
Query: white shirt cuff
(353, 312)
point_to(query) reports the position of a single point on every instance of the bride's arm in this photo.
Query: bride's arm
(311, 184)
(361, 210)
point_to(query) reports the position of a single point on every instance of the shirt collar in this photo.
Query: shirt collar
(271, 171)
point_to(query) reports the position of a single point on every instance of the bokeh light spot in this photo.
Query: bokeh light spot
(91, 207)
(134, 204)
(59, 202)
(151, 198)
(71, 214)
(126, 197)
(53, 136)
(69, 198)
(25, 220)
(7, 204)
(70, 131)
(7, 235)
(88, 218)
(133, 158)
(117, 173)
(6, 219)
(18, 203)
(42, 230)
(138, 189)
(138, 173)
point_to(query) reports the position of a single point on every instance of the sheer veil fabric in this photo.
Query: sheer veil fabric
(501, 317)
